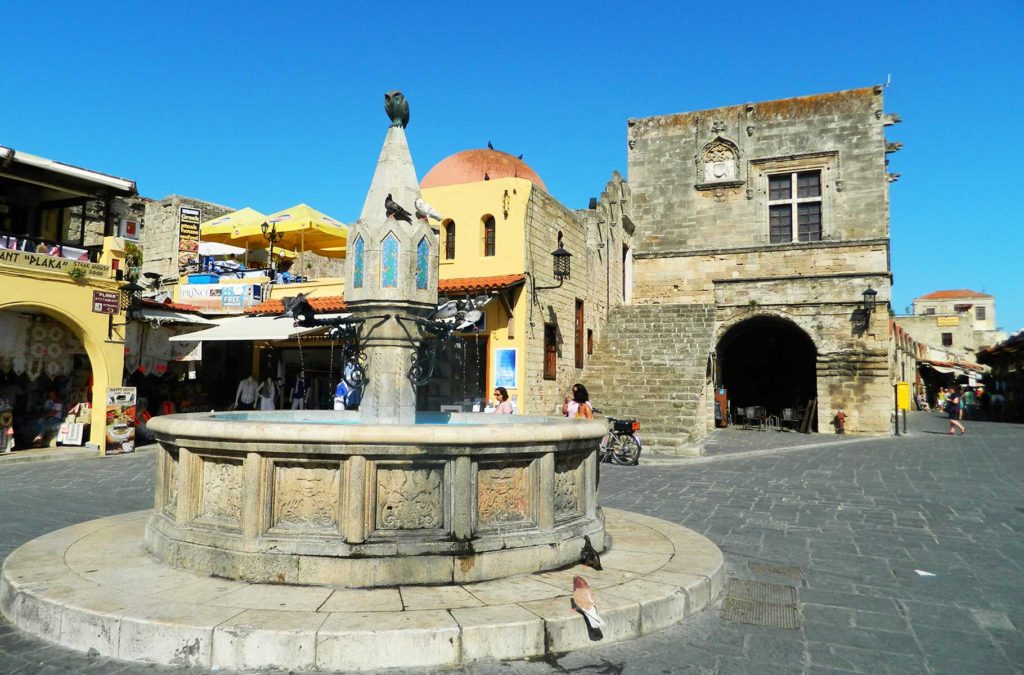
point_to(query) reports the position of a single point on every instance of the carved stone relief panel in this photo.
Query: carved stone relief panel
(504, 494)
(410, 498)
(568, 500)
(170, 482)
(221, 491)
(720, 162)
(306, 497)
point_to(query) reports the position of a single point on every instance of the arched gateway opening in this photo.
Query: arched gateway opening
(768, 362)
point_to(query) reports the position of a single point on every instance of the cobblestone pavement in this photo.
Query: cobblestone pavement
(856, 521)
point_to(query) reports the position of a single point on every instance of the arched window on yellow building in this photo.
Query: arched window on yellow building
(449, 239)
(489, 235)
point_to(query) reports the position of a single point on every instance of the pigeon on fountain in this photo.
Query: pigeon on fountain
(583, 598)
(589, 556)
(393, 210)
(425, 210)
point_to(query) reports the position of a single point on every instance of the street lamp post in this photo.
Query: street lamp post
(272, 236)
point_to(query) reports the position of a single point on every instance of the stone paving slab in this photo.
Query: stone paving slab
(62, 587)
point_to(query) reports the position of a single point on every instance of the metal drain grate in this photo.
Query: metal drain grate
(760, 603)
(760, 614)
(775, 569)
(760, 591)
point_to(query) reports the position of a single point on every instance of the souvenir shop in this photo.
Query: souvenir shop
(46, 382)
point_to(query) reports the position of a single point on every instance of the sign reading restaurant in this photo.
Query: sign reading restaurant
(188, 239)
(51, 263)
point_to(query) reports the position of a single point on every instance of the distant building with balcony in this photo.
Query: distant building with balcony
(64, 233)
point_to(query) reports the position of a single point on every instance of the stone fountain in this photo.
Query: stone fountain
(384, 495)
(285, 538)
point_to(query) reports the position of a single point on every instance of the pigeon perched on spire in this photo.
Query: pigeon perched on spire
(425, 210)
(393, 210)
(583, 598)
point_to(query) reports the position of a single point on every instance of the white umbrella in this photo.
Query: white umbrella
(215, 248)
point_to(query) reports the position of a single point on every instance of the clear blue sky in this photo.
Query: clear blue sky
(267, 104)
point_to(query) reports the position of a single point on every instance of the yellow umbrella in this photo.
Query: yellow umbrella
(299, 228)
(221, 228)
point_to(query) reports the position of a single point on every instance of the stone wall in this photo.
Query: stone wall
(679, 207)
(595, 238)
(160, 243)
(701, 203)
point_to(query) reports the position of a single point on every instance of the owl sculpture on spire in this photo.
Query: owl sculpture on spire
(397, 108)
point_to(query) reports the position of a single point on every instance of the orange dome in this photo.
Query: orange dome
(471, 166)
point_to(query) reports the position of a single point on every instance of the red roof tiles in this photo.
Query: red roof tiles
(167, 304)
(336, 303)
(477, 284)
(949, 295)
(326, 303)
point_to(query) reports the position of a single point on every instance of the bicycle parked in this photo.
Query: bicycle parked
(621, 445)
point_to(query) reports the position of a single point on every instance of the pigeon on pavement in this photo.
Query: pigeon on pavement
(583, 598)
(589, 556)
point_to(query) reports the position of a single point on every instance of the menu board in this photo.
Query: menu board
(120, 436)
(188, 239)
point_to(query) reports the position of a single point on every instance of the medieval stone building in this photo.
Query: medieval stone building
(759, 228)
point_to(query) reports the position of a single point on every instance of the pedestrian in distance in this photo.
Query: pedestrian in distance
(953, 411)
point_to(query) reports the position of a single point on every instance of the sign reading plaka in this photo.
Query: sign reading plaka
(105, 302)
(188, 239)
(51, 263)
(120, 420)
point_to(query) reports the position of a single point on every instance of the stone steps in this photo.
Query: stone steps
(650, 364)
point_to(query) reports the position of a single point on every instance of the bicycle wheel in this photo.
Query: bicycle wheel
(605, 451)
(629, 450)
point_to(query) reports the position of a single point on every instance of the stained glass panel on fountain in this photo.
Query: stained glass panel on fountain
(389, 262)
(422, 263)
(357, 271)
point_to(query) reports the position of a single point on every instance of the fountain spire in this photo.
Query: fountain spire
(391, 269)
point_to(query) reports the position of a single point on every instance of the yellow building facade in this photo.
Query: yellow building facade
(57, 283)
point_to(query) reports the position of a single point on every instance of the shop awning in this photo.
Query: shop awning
(170, 316)
(955, 367)
(254, 328)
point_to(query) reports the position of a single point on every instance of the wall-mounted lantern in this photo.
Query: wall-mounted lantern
(868, 304)
(562, 265)
(130, 295)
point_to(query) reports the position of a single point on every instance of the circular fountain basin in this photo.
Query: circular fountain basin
(316, 497)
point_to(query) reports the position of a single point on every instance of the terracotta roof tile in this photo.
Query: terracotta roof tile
(336, 303)
(326, 303)
(167, 304)
(476, 284)
(950, 295)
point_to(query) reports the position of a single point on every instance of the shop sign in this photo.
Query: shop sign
(188, 239)
(227, 297)
(947, 321)
(120, 437)
(105, 302)
(51, 263)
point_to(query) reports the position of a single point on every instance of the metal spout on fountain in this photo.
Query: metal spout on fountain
(391, 270)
